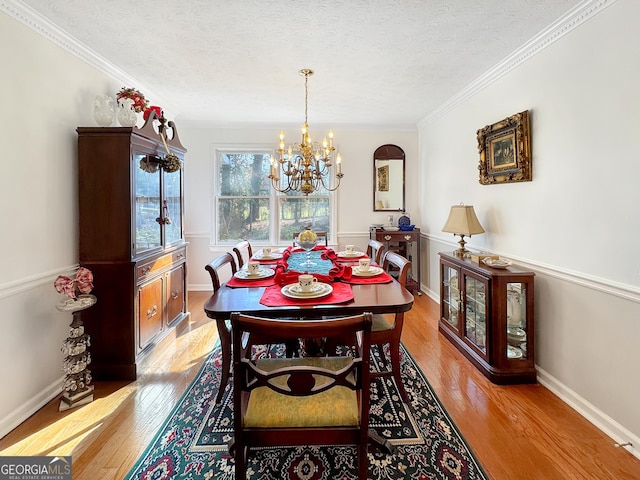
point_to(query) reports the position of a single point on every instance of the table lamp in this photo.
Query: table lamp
(462, 221)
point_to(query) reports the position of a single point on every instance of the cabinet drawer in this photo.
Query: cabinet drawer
(149, 312)
(158, 264)
(175, 294)
(397, 236)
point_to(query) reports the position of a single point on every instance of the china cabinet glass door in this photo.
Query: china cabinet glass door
(450, 296)
(147, 205)
(475, 319)
(516, 321)
(172, 207)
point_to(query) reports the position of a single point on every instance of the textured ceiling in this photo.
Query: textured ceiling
(376, 62)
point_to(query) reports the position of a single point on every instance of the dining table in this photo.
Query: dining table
(264, 297)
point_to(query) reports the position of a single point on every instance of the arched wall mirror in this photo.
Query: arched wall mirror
(388, 179)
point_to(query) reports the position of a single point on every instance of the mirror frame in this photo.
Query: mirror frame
(388, 152)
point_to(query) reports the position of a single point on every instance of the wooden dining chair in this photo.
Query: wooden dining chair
(375, 250)
(387, 328)
(300, 401)
(322, 237)
(226, 265)
(243, 252)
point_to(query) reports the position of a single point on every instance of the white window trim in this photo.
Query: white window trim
(274, 226)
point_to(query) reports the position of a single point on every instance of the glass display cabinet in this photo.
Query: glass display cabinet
(132, 239)
(487, 313)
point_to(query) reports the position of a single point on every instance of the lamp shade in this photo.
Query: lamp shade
(463, 221)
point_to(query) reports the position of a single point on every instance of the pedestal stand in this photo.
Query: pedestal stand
(77, 389)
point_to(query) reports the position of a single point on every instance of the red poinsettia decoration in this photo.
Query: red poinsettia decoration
(139, 102)
(82, 283)
(152, 108)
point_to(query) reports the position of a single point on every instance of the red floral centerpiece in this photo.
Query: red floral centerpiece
(139, 102)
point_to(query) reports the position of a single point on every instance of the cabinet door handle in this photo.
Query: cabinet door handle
(152, 312)
(407, 237)
(180, 256)
(175, 294)
(146, 269)
(387, 237)
(165, 213)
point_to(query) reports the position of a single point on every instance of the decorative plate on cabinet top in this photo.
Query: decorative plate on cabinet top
(404, 221)
(496, 263)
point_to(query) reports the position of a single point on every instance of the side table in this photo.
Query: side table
(407, 244)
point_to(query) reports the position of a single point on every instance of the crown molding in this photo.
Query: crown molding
(36, 22)
(39, 24)
(574, 18)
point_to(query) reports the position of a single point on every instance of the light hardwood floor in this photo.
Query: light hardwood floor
(517, 432)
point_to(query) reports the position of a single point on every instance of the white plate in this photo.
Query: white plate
(271, 256)
(516, 332)
(318, 290)
(262, 273)
(513, 352)
(372, 272)
(351, 255)
(500, 263)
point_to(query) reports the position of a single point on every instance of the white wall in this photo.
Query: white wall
(45, 94)
(576, 223)
(354, 197)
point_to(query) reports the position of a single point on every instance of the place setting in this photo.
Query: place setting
(255, 275)
(306, 288)
(365, 272)
(350, 253)
(267, 255)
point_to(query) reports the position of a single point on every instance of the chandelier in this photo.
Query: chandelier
(305, 166)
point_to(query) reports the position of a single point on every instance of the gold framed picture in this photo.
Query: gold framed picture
(505, 150)
(383, 178)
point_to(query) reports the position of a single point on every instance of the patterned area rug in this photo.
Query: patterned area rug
(192, 443)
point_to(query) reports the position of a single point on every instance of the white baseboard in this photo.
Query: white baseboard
(605, 423)
(619, 434)
(19, 415)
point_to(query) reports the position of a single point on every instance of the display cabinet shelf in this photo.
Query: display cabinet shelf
(487, 313)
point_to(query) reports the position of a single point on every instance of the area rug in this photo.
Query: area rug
(426, 445)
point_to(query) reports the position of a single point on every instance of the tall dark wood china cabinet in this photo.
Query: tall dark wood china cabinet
(132, 239)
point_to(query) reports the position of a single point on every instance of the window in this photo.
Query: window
(245, 202)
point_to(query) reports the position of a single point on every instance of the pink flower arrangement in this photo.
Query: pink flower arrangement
(82, 283)
(139, 102)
